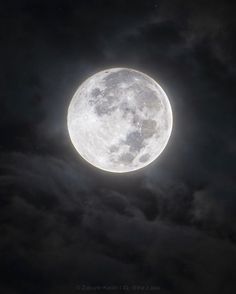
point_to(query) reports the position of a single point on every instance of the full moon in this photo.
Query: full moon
(120, 120)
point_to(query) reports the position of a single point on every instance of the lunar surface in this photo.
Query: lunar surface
(119, 120)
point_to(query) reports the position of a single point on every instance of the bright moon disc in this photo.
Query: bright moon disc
(119, 120)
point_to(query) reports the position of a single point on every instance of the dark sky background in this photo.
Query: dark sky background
(65, 224)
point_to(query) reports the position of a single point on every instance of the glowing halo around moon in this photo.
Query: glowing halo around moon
(120, 120)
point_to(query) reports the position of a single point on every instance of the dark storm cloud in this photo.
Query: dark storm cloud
(58, 234)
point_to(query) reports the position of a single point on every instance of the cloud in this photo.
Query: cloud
(58, 231)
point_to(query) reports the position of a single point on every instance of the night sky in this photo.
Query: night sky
(170, 227)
